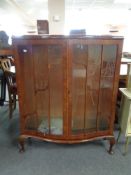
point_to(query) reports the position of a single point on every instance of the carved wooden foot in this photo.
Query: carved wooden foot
(112, 143)
(21, 144)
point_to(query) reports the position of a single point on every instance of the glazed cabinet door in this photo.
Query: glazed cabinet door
(43, 87)
(108, 87)
(91, 72)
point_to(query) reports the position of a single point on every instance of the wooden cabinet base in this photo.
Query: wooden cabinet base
(74, 141)
(112, 143)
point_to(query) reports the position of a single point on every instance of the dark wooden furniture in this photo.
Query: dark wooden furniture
(2, 87)
(4, 53)
(67, 87)
(10, 77)
(42, 27)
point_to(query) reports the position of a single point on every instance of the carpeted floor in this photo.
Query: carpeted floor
(43, 158)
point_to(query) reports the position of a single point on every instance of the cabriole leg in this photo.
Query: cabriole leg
(21, 144)
(112, 143)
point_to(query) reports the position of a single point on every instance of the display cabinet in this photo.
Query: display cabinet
(67, 87)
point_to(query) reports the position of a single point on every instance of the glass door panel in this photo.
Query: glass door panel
(48, 68)
(78, 98)
(92, 87)
(41, 90)
(79, 61)
(56, 84)
(106, 86)
(86, 61)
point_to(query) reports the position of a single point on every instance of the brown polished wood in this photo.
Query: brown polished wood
(10, 78)
(67, 86)
(4, 53)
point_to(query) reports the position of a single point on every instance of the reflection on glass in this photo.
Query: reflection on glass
(85, 84)
(48, 92)
(41, 87)
(106, 86)
(92, 86)
(78, 98)
(56, 89)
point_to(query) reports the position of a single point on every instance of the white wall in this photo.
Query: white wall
(56, 9)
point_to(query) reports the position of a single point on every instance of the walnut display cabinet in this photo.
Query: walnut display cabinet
(67, 87)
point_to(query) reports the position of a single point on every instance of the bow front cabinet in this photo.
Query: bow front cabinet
(67, 86)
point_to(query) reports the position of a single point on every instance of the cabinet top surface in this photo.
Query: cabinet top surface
(67, 37)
